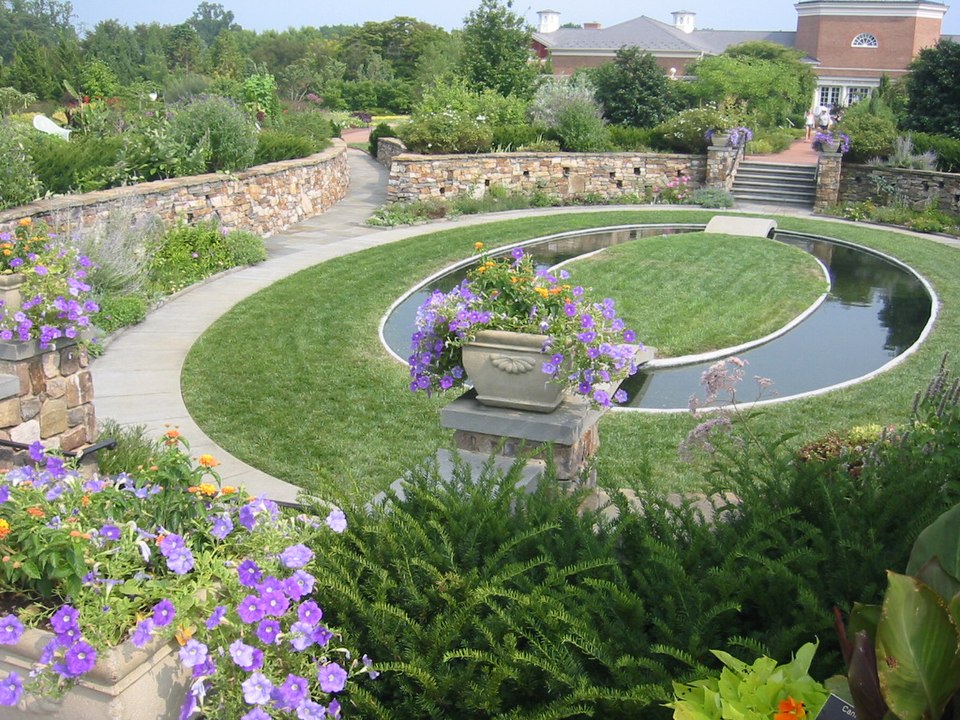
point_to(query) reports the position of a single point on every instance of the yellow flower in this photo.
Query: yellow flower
(208, 489)
(227, 490)
(478, 246)
(207, 461)
(24, 222)
(541, 291)
(481, 270)
(4, 528)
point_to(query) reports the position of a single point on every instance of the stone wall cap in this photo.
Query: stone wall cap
(564, 426)
(22, 350)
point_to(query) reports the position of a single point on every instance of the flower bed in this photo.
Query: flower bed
(168, 555)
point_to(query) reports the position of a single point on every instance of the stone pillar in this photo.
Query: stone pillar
(571, 431)
(46, 395)
(828, 181)
(722, 163)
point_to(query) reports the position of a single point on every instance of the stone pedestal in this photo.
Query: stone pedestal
(45, 395)
(571, 431)
(828, 181)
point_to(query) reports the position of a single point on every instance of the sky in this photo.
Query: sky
(262, 15)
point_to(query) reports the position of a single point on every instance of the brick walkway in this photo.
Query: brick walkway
(799, 153)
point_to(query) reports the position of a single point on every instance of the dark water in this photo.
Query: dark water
(874, 311)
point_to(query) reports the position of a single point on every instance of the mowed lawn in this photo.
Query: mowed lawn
(294, 380)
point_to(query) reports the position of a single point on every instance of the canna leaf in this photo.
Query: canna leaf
(918, 650)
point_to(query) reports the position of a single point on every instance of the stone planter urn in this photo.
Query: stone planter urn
(126, 683)
(10, 290)
(719, 139)
(505, 369)
(830, 147)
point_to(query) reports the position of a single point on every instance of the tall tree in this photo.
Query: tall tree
(118, 47)
(496, 50)
(634, 90)
(933, 103)
(770, 80)
(46, 19)
(32, 68)
(211, 19)
(184, 48)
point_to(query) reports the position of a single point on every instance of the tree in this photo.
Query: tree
(32, 68)
(226, 59)
(184, 48)
(211, 19)
(496, 50)
(771, 81)
(118, 47)
(933, 103)
(46, 19)
(634, 90)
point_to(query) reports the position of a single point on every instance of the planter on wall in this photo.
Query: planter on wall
(10, 290)
(505, 369)
(127, 683)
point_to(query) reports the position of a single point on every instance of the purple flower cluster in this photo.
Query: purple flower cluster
(277, 616)
(587, 345)
(67, 653)
(55, 293)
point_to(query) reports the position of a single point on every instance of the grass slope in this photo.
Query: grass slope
(316, 399)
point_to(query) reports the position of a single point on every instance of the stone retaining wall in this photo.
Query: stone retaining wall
(917, 188)
(388, 149)
(51, 397)
(564, 175)
(265, 199)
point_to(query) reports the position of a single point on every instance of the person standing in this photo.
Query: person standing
(808, 122)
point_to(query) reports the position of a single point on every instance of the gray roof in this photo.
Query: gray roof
(655, 36)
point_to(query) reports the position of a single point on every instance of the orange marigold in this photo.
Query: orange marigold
(25, 221)
(4, 528)
(36, 512)
(78, 534)
(227, 490)
(208, 461)
(478, 246)
(172, 435)
(208, 489)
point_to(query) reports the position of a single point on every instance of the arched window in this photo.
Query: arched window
(865, 40)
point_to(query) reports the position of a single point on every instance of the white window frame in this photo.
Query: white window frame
(830, 95)
(865, 40)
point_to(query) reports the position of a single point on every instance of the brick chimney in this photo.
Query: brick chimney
(591, 26)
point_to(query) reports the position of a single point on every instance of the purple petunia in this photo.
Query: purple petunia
(222, 526)
(216, 617)
(78, 659)
(296, 556)
(10, 630)
(332, 677)
(268, 631)
(292, 692)
(249, 573)
(142, 632)
(245, 656)
(163, 613)
(309, 612)
(193, 653)
(298, 585)
(251, 609)
(64, 620)
(337, 521)
(11, 688)
(257, 689)
(110, 532)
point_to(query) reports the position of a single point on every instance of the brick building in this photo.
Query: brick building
(851, 44)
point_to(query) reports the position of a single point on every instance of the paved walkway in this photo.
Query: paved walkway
(799, 153)
(137, 379)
